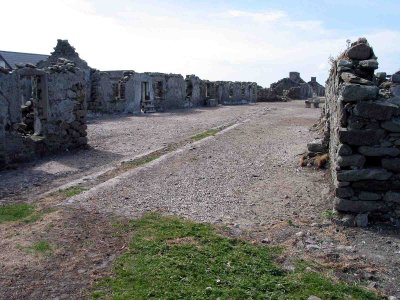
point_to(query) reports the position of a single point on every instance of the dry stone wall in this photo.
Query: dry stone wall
(51, 120)
(362, 116)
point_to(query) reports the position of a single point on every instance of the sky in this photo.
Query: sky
(246, 40)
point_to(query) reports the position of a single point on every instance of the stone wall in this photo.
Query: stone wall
(51, 120)
(166, 91)
(363, 122)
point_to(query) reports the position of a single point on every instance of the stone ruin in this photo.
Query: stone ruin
(42, 111)
(362, 131)
(43, 108)
(291, 88)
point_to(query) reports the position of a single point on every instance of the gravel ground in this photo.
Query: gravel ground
(116, 138)
(247, 175)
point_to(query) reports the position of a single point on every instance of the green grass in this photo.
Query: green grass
(73, 191)
(41, 247)
(329, 214)
(169, 258)
(17, 212)
(205, 134)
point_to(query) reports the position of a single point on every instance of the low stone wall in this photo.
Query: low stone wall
(363, 121)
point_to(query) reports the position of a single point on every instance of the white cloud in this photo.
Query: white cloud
(266, 16)
(236, 45)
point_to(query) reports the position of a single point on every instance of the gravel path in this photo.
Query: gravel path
(247, 175)
(113, 139)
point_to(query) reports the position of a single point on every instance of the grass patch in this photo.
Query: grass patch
(329, 214)
(72, 191)
(41, 247)
(17, 212)
(169, 258)
(203, 135)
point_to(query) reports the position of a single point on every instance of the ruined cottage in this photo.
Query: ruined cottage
(292, 87)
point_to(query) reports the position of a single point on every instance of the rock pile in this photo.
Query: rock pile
(363, 122)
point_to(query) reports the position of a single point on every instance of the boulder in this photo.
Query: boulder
(391, 164)
(364, 174)
(360, 137)
(379, 151)
(351, 161)
(359, 52)
(357, 92)
(375, 110)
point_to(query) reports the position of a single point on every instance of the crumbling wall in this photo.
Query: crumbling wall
(57, 109)
(193, 91)
(363, 122)
(292, 87)
(175, 92)
(317, 89)
(65, 127)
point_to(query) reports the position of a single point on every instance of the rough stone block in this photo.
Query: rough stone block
(346, 205)
(395, 90)
(352, 78)
(345, 63)
(344, 150)
(375, 110)
(364, 174)
(360, 137)
(396, 77)
(392, 125)
(379, 151)
(346, 192)
(357, 92)
(361, 220)
(373, 185)
(316, 146)
(369, 64)
(392, 197)
(369, 196)
(355, 160)
(391, 164)
(359, 52)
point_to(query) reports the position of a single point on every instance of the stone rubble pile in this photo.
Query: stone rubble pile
(362, 114)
